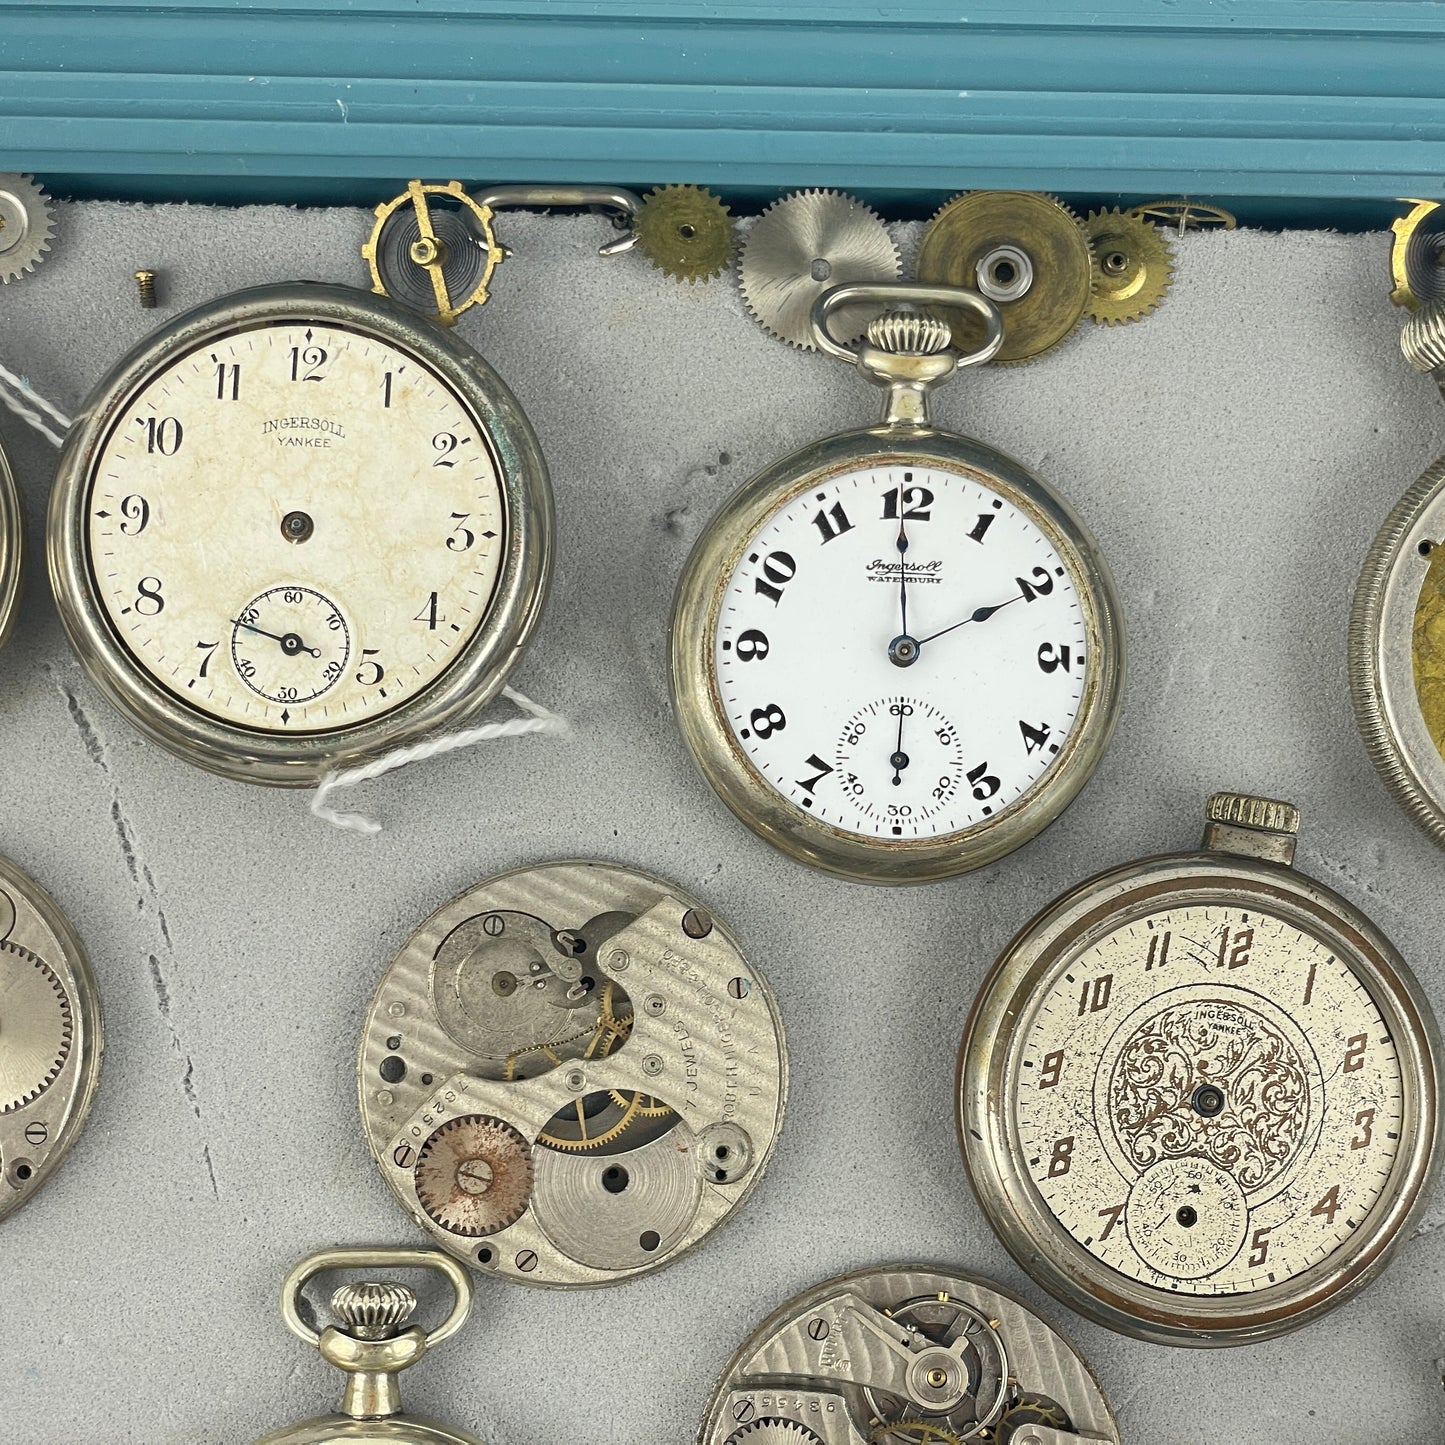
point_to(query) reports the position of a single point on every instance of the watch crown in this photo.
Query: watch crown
(908, 333)
(1242, 810)
(1422, 340)
(372, 1310)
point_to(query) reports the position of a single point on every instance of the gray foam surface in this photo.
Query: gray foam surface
(1234, 455)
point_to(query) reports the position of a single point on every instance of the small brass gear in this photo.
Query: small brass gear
(685, 231)
(1135, 267)
(590, 1122)
(912, 1432)
(1185, 215)
(36, 1027)
(474, 1175)
(26, 225)
(1027, 252)
(1030, 1409)
(433, 248)
(1417, 273)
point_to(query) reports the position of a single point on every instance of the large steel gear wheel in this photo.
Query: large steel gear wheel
(1026, 252)
(774, 1432)
(26, 225)
(35, 1027)
(1135, 266)
(433, 249)
(685, 231)
(474, 1175)
(803, 245)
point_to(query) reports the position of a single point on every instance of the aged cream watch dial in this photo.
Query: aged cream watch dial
(901, 651)
(300, 516)
(1216, 1091)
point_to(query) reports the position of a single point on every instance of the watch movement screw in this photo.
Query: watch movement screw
(818, 1328)
(696, 923)
(743, 1411)
(36, 1132)
(146, 283)
(527, 1261)
(739, 987)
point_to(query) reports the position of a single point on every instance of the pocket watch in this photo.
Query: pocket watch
(50, 1039)
(896, 653)
(570, 1075)
(1397, 623)
(298, 527)
(905, 1355)
(1197, 1093)
(374, 1341)
(12, 548)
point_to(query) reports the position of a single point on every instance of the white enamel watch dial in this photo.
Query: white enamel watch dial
(1197, 1095)
(896, 654)
(50, 1037)
(299, 526)
(12, 548)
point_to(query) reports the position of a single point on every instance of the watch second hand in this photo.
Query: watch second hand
(899, 758)
(291, 644)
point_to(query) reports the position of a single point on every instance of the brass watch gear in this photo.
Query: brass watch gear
(590, 1122)
(1030, 1409)
(474, 1175)
(1027, 252)
(35, 1026)
(1185, 215)
(685, 231)
(1134, 266)
(803, 245)
(433, 248)
(774, 1432)
(26, 225)
(1417, 273)
(912, 1432)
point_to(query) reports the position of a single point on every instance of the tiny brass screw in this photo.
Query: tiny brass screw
(527, 1261)
(146, 282)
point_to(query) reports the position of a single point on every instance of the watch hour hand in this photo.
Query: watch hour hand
(979, 614)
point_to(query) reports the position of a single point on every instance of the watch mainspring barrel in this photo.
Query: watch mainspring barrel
(298, 527)
(1198, 1093)
(901, 1355)
(570, 1075)
(12, 548)
(50, 1037)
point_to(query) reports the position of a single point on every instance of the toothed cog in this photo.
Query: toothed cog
(474, 1175)
(685, 231)
(774, 1432)
(35, 1027)
(1135, 266)
(26, 225)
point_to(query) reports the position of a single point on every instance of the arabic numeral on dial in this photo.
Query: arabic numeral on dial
(778, 570)
(386, 389)
(945, 735)
(943, 787)
(832, 522)
(1062, 1159)
(445, 443)
(985, 784)
(854, 735)
(1329, 1205)
(1112, 1215)
(228, 380)
(1037, 584)
(164, 434)
(248, 617)
(462, 538)
(428, 614)
(752, 646)
(208, 648)
(767, 720)
(245, 667)
(900, 810)
(137, 514)
(809, 784)
(1355, 1047)
(1094, 996)
(331, 671)
(1034, 737)
(1234, 947)
(980, 527)
(307, 362)
(1052, 657)
(148, 599)
(1052, 1070)
(285, 694)
(1259, 1246)
(334, 622)
(370, 672)
(1158, 950)
(852, 785)
(1365, 1120)
(916, 502)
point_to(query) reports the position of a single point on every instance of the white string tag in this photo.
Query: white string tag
(539, 720)
(28, 404)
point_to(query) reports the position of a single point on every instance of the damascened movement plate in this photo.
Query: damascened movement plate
(570, 1075)
(1197, 1095)
(50, 1037)
(905, 1355)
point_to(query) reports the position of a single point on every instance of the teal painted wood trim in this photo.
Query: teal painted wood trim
(1320, 99)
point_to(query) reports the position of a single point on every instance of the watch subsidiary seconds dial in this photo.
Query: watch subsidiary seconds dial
(296, 528)
(50, 1041)
(896, 653)
(12, 548)
(1197, 1094)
